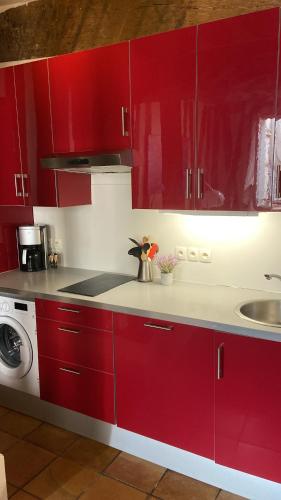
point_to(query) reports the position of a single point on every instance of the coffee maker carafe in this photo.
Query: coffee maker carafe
(32, 247)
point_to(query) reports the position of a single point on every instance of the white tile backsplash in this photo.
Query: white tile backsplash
(244, 247)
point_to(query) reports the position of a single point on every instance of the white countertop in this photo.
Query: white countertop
(209, 306)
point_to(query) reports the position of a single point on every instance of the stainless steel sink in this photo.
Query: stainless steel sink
(265, 312)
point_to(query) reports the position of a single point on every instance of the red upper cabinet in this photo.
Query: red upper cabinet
(42, 187)
(247, 405)
(229, 75)
(163, 86)
(89, 94)
(35, 129)
(164, 382)
(11, 189)
(237, 70)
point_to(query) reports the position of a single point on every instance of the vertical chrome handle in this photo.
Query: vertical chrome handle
(124, 111)
(220, 353)
(278, 188)
(200, 178)
(18, 193)
(25, 193)
(188, 183)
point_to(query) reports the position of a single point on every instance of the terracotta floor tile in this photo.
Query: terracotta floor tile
(225, 495)
(52, 438)
(23, 461)
(135, 471)
(175, 486)
(3, 410)
(105, 488)
(22, 495)
(63, 479)
(89, 453)
(11, 489)
(6, 441)
(17, 424)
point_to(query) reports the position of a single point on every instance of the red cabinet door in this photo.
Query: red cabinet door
(237, 66)
(164, 382)
(163, 86)
(248, 407)
(35, 132)
(89, 91)
(11, 192)
(78, 388)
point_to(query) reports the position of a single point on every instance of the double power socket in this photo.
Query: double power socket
(194, 254)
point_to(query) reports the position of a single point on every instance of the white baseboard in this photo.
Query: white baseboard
(189, 464)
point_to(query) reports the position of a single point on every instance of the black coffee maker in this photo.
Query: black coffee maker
(32, 248)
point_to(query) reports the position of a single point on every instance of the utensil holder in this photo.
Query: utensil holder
(145, 271)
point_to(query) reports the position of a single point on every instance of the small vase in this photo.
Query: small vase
(166, 278)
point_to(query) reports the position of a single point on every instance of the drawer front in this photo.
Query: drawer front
(73, 314)
(80, 389)
(75, 344)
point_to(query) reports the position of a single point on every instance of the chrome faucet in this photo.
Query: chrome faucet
(270, 276)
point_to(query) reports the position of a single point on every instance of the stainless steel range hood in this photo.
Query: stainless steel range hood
(116, 162)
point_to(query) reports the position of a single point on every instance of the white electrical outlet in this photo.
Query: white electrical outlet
(180, 253)
(193, 254)
(205, 255)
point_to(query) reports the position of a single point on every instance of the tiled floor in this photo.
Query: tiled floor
(43, 461)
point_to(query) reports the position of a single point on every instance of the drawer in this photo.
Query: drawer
(80, 389)
(73, 314)
(75, 344)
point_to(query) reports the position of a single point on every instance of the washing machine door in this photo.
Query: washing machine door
(15, 350)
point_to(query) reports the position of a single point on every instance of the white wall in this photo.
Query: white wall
(244, 247)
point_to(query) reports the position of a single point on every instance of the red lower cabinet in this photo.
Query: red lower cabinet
(75, 347)
(248, 405)
(164, 382)
(78, 388)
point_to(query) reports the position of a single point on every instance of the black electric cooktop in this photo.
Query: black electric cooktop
(99, 284)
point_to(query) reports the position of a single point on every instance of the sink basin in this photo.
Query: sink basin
(265, 312)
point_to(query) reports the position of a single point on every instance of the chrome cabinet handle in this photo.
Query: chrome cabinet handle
(278, 190)
(67, 330)
(18, 193)
(200, 178)
(159, 327)
(124, 111)
(220, 353)
(68, 310)
(67, 370)
(24, 191)
(188, 183)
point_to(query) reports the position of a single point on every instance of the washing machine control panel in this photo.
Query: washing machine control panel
(5, 307)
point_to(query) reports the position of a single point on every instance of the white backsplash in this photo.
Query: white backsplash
(243, 247)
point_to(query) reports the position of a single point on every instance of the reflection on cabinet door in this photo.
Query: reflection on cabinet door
(247, 405)
(11, 185)
(163, 82)
(237, 66)
(89, 94)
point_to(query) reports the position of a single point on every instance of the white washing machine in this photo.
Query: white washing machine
(18, 345)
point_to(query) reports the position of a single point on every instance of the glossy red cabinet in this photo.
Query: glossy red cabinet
(237, 71)
(247, 405)
(221, 156)
(163, 86)
(35, 131)
(75, 347)
(89, 94)
(10, 218)
(164, 382)
(42, 187)
(11, 189)
(77, 388)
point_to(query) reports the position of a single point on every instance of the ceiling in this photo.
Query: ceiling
(8, 4)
